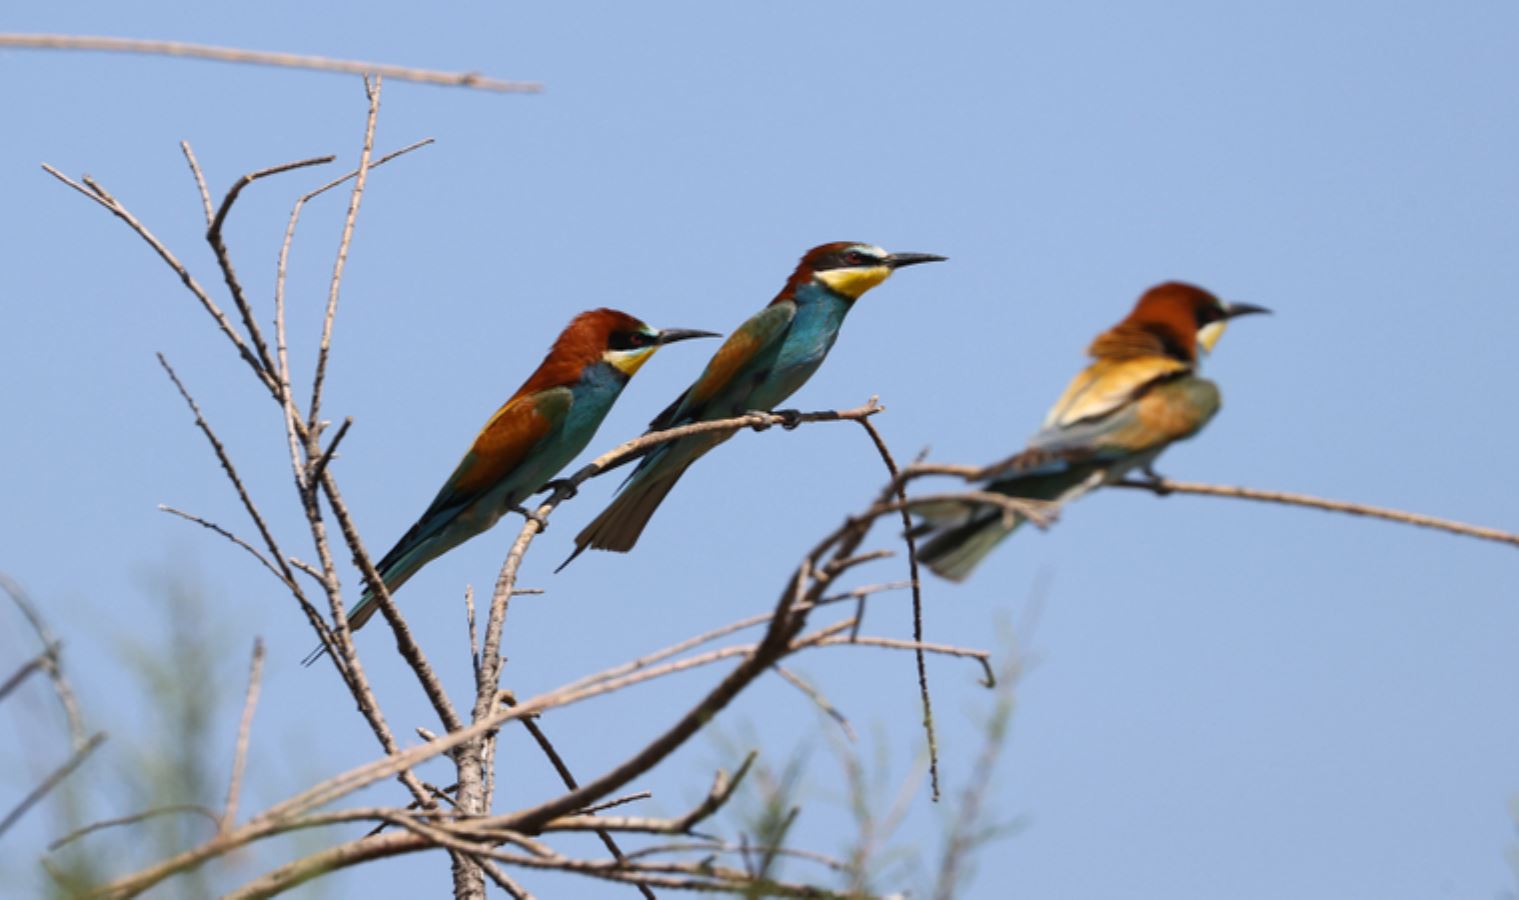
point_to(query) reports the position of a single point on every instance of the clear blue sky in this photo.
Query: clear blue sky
(1230, 699)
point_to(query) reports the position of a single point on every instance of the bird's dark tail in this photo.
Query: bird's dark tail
(361, 613)
(622, 522)
(956, 541)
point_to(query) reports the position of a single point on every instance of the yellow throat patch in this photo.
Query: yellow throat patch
(628, 361)
(854, 282)
(1209, 334)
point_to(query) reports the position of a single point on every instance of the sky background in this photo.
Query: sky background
(1228, 699)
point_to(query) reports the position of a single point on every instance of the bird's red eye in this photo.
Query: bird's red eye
(855, 258)
(627, 340)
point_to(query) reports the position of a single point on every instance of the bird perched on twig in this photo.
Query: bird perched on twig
(531, 437)
(1140, 394)
(760, 364)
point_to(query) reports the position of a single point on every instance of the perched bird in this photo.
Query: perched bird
(530, 438)
(758, 366)
(1141, 394)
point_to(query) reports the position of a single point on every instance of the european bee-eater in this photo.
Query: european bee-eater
(531, 437)
(761, 364)
(1141, 394)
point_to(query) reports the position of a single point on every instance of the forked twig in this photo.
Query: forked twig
(51, 781)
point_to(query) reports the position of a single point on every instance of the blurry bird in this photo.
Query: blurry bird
(536, 433)
(758, 366)
(1141, 394)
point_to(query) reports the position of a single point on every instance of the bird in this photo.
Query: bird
(1140, 394)
(534, 435)
(761, 363)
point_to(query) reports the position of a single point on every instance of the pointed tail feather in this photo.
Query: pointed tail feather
(954, 552)
(622, 522)
(402, 562)
(954, 549)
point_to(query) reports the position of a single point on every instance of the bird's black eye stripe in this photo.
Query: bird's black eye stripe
(628, 340)
(845, 259)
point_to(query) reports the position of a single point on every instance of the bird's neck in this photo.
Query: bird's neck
(601, 377)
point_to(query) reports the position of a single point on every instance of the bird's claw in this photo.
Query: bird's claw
(563, 485)
(760, 415)
(1155, 481)
(543, 522)
(789, 418)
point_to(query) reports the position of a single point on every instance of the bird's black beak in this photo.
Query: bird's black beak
(898, 260)
(671, 335)
(1234, 310)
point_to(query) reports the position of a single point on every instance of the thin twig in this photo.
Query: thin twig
(212, 526)
(615, 802)
(61, 687)
(37, 663)
(1164, 486)
(50, 782)
(469, 618)
(989, 678)
(355, 197)
(237, 483)
(265, 58)
(200, 180)
(244, 727)
(172, 809)
(320, 467)
(917, 604)
(502, 880)
(717, 846)
(816, 696)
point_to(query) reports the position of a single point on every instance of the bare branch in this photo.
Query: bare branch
(245, 725)
(265, 58)
(229, 273)
(917, 603)
(408, 646)
(99, 195)
(1163, 486)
